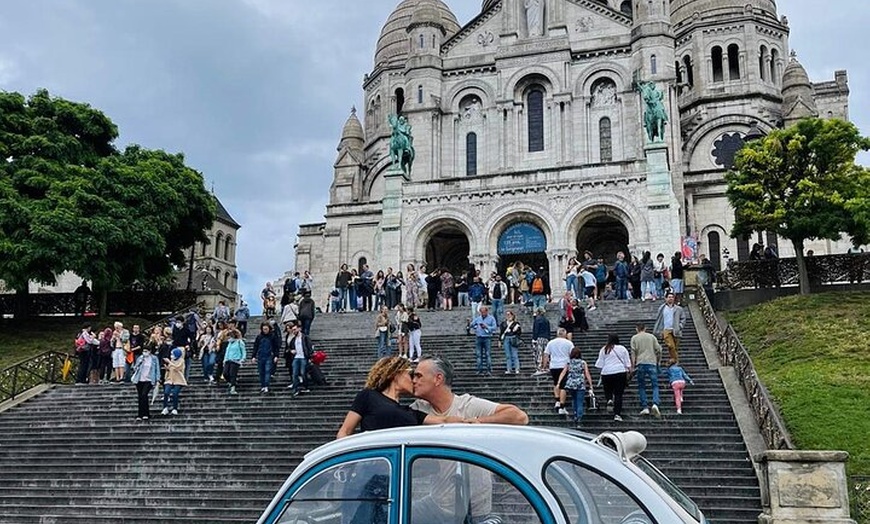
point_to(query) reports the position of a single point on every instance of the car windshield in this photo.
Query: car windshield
(669, 487)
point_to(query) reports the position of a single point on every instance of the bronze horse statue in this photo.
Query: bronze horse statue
(655, 118)
(401, 144)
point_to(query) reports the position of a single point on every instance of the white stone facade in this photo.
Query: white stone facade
(595, 182)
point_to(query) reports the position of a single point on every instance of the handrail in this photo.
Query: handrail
(46, 368)
(732, 353)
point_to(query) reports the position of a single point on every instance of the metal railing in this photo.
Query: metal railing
(47, 368)
(732, 353)
(783, 272)
(859, 497)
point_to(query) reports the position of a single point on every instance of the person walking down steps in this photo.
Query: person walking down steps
(174, 381)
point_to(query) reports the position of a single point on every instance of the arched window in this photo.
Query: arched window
(625, 7)
(535, 110)
(679, 69)
(202, 249)
(654, 65)
(471, 154)
(218, 244)
(605, 139)
(774, 58)
(742, 249)
(228, 243)
(422, 42)
(718, 68)
(400, 100)
(434, 42)
(419, 94)
(762, 63)
(734, 62)
(715, 245)
(217, 275)
(227, 279)
(688, 71)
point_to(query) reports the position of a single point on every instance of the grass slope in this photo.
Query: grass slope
(25, 339)
(813, 354)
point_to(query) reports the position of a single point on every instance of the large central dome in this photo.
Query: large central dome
(393, 44)
(682, 10)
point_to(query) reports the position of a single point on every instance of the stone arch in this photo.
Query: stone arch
(418, 236)
(612, 205)
(515, 87)
(694, 160)
(472, 86)
(514, 212)
(218, 245)
(228, 248)
(375, 173)
(617, 73)
(445, 241)
(704, 240)
(353, 263)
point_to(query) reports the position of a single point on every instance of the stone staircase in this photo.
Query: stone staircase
(76, 454)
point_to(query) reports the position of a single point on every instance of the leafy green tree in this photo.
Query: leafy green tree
(70, 201)
(802, 183)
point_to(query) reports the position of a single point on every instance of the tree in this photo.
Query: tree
(70, 201)
(802, 183)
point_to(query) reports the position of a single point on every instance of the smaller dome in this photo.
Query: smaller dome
(352, 131)
(795, 75)
(393, 45)
(426, 13)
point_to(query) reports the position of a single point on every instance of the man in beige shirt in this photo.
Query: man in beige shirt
(646, 353)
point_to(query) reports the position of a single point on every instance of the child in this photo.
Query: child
(574, 378)
(678, 377)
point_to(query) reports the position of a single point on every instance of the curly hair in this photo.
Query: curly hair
(384, 371)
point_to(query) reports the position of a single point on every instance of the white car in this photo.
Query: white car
(480, 474)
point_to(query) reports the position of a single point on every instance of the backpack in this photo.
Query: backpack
(81, 344)
(496, 291)
(538, 286)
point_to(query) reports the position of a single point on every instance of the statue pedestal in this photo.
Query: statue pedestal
(663, 207)
(391, 218)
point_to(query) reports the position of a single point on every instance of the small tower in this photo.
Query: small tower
(797, 93)
(652, 41)
(348, 166)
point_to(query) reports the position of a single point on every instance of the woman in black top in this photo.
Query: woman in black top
(377, 406)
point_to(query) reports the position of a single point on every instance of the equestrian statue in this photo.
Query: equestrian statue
(655, 117)
(401, 144)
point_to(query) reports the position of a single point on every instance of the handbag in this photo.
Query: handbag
(591, 400)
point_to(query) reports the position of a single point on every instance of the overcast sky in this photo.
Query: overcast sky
(255, 92)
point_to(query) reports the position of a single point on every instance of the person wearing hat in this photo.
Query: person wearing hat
(174, 381)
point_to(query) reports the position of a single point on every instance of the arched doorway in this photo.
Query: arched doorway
(522, 242)
(603, 236)
(448, 248)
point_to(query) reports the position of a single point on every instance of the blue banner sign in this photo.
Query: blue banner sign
(522, 238)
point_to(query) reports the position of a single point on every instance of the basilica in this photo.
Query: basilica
(528, 125)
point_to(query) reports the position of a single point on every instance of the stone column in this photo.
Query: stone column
(800, 487)
(558, 263)
(391, 218)
(663, 208)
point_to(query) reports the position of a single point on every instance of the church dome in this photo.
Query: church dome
(795, 76)
(393, 45)
(353, 133)
(682, 10)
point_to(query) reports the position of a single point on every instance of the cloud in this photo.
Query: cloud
(8, 71)
(255, 92)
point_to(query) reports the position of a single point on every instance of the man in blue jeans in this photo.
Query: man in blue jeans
(620, 271)
(646, 353)
(266, 350)
(299, 351)
(484, 326)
